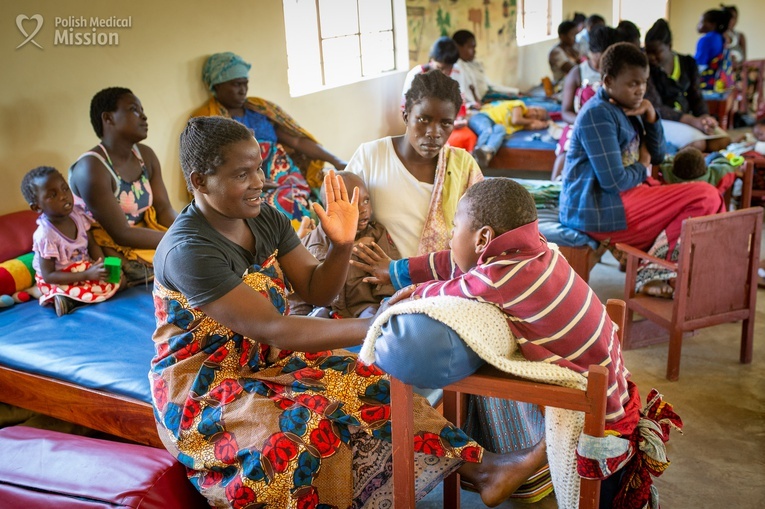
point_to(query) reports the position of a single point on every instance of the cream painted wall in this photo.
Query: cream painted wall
(685, 14)
(46, 93)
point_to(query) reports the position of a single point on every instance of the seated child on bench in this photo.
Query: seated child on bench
(498, 256)
(64, 247)
(357, 299)
(500, 118)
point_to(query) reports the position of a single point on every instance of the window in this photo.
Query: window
(538, 20)
(643, 13)
(336, 42)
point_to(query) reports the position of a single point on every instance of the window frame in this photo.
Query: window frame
(302, 64)
(527, 36)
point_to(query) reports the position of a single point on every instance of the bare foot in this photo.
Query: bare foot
(499, 475)
(658, 288)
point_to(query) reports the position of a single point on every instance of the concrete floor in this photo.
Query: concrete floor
(719, 460)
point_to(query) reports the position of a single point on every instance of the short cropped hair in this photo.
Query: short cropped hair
(595, 19)
(203, 142)
(29, 182)
(462, 36)
(105, 101)
(565, 27)
(626, 31)
(689, 164)
(433, 84)
(620, 56)
(445, 51)
(601, 38)
(501, 203)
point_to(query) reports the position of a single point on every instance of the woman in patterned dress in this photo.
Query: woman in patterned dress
(257, 405)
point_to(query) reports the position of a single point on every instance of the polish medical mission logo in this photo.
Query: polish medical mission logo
(20, 19)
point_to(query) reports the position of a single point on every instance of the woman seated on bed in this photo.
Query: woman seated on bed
(292, 158)
(120, 181)
(677, 96)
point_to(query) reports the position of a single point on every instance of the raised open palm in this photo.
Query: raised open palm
(341, 217)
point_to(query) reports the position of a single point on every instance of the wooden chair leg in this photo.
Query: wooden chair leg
(402, 438)
(453, 412)
(673, 359)
(747, 338)
(627, 336)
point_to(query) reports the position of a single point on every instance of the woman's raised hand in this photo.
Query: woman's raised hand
(340, 219)
(374, 261)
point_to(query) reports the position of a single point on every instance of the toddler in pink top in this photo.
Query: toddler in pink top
(65, 270)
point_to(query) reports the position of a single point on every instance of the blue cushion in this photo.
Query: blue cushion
(422, 351)
(105, 346)
(550, 227)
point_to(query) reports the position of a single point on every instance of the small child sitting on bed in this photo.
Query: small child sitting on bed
(357, 299)
(500, 118)
(498, 256)
(64, 247)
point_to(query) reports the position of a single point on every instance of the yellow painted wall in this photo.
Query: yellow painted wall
(46, 93)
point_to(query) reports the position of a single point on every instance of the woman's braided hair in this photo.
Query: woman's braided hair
(436, 85)
(203, 142)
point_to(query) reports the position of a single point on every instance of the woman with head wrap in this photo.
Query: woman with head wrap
(675, 92)
(292, 158)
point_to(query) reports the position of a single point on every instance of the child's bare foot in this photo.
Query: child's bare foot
(499, 475)
(658, 288)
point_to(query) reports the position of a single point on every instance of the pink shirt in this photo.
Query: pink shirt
(48, 242)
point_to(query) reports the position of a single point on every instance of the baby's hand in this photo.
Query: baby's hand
(373, 261)
(96, 272)
(307, 225)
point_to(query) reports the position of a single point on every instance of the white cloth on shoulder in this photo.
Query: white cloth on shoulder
(483, 327)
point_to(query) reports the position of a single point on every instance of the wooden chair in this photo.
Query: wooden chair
(716, 281)
(488, 381)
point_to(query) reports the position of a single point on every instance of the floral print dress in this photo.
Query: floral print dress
(261, 427)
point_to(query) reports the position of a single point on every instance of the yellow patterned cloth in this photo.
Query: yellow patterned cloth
(145, 256)
(259, 425)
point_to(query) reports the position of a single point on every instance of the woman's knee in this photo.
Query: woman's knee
(709, 198)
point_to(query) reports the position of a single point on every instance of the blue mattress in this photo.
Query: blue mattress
(104, 346)
(533, 140)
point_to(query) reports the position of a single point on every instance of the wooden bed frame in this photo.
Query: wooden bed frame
(522, 159)
(116, 415)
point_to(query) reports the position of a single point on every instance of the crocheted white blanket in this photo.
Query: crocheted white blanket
(483, 327)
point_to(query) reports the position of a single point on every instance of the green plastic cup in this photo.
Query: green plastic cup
(113, 264)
